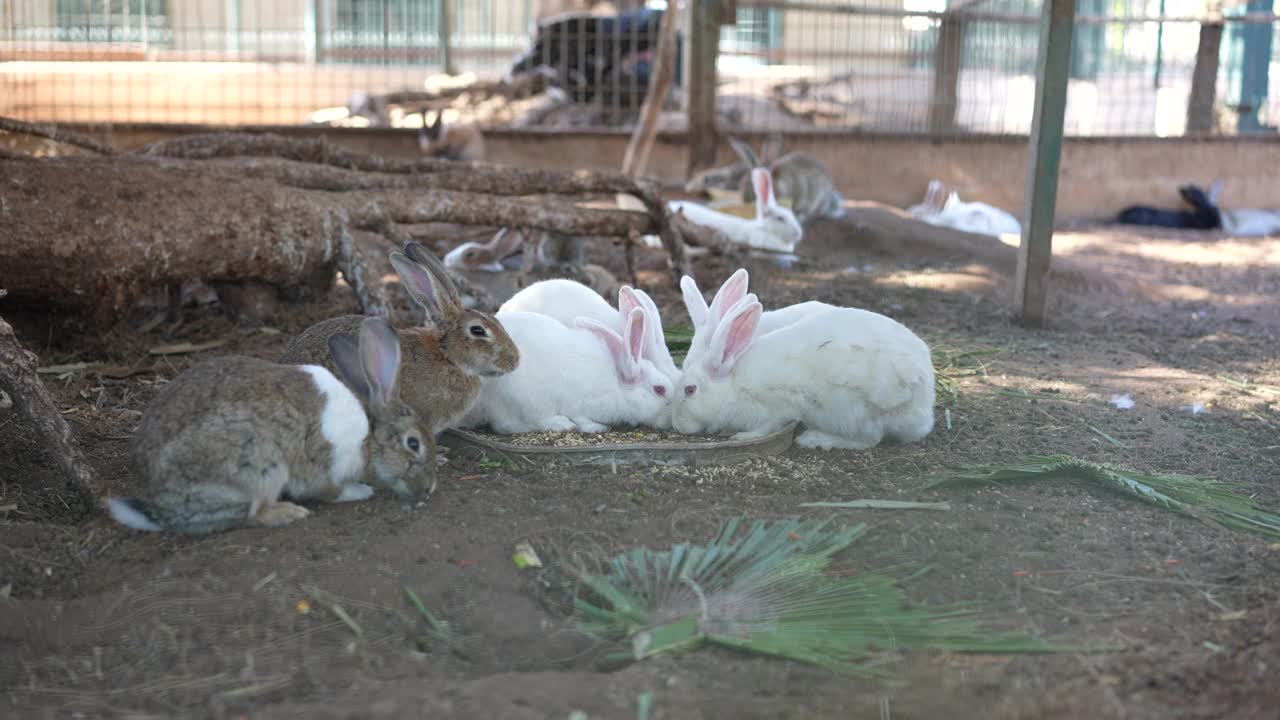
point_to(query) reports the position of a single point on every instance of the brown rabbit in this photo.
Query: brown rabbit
(799, 178)
(231, 441)
(562, 256)
(543, 255)
(454, 142)
(446, 360)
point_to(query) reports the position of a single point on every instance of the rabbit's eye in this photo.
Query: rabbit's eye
(660, 390)
(413, 443)
(478, 331)
(689, 390)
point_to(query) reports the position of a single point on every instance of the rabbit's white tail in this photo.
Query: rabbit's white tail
(127, 513)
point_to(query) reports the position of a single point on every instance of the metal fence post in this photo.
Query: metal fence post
(1053, 66)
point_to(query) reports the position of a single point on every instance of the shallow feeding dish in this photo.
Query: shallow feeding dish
(625, 447)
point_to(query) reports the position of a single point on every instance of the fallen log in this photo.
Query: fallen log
(28, 396)
(95, 234)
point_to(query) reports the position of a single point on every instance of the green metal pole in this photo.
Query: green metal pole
(1053, 67)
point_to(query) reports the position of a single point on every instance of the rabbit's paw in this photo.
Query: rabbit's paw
(751, 434)
(354, 492)
(558, 423)
(280, 513)
(825, 441)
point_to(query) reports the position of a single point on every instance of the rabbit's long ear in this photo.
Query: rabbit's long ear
(771, 150)
(694, 302)
(733, 336)
(628, 370)
(634, 335)
(762, 179)
(653, 322)
(729, 294)
(628, 300)
(505, 242)
(380, 358)
(419, 283)
(446, 292)
(744, 152)
(345, 350)
(1215, 191)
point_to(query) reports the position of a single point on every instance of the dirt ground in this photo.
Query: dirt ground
(97, 620)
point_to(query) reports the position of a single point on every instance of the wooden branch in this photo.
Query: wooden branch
(18, 378)
(521, 86)
(52, 132)
(636, 158)
(434, 173)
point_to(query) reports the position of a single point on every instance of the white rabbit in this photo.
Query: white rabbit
(851, 376)
(585, 378)
(704, 318)
(774, 228)
(1245, 222)
(566, 300)
(947, 210)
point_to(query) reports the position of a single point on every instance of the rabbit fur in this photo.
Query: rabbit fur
(450, 142)
(447, 360)
(584, 379)
(489, 265)
(774, 228)
(851, 376)
(566, 300)
(799, 177)
(231, 441)
(705, 317)
(947, 210)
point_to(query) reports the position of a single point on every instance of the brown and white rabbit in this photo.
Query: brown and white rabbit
(488, 265)
(492, 266)
(227, 440)
(799, 178)
(451, 142)
(562, 256)
(446, 360)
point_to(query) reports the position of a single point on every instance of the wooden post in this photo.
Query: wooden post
(446, 37)
(636, 158)
(1053, 66)
(1204, 79)
(704, 48)
(947, 58)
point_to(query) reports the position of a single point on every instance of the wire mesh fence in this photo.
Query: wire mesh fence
(1139, 67)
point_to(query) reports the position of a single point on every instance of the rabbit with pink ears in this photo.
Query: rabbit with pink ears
(566, 300)
(774, 227)
(853, 377)
(583, 378)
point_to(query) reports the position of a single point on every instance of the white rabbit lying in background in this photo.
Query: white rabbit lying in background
(1244, 222)
(566, 300)
(774, 228)
(851, 376)
(585, 379)
(947, 210)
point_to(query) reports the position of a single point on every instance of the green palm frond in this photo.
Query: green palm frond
(1195, 495)
(763, 589)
